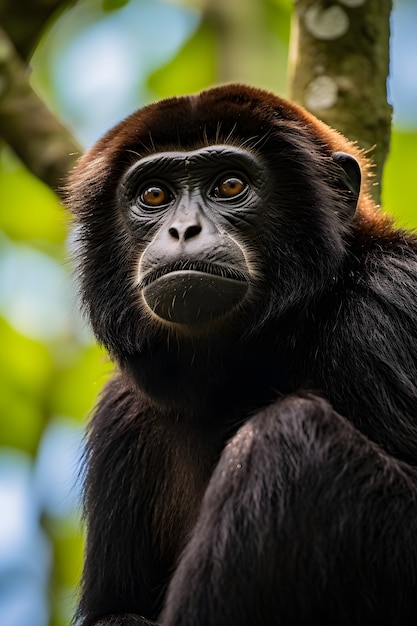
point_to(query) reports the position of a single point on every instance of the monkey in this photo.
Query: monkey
(253, 458)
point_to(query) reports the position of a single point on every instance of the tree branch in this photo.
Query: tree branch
(44, 145)
(25, 20)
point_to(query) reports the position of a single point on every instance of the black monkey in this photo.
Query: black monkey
(253, 461)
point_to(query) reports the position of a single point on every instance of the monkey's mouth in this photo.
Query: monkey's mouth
(214, 269)
(193, 292)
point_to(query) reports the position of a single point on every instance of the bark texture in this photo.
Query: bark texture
(339, 64)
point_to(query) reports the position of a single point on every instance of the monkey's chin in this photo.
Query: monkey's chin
(193, 298)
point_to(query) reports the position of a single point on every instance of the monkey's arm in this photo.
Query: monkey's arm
(304, 521)
(122, 575)
(365, 360)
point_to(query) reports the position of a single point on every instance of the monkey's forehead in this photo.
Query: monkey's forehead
(198, 163)
(212, 153)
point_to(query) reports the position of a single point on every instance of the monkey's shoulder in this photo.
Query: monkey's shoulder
(372, 312)
(383, 267)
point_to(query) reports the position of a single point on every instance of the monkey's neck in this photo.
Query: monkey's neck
(220, 382)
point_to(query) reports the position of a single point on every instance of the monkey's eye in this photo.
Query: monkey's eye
(229, 187)
(154, 196)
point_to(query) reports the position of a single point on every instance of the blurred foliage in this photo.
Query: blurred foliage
(186, 73)
(399, 193)
(28, 209)
(26, 367)
(49, 375)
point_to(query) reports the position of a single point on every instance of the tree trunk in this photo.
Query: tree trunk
(339, 63)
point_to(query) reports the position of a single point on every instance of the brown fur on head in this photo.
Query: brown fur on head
(233, 114)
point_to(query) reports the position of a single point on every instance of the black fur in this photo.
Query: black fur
(261, 471)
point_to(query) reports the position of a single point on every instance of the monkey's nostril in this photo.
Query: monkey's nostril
(174, 232)
(184, 233)
(192, 231)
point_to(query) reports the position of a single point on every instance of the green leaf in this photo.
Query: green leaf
(113, 5)
(29, 210)
(26, 371)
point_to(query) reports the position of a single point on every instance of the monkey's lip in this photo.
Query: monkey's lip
(191, 296)
(213, 269)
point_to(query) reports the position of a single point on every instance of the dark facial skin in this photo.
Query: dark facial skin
(192, 208)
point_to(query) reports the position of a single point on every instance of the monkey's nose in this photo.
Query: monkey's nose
(184, 232)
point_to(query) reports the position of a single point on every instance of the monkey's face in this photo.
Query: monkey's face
(193, 208)
(206, 217)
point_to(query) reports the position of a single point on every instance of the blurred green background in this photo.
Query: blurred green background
(99, 61)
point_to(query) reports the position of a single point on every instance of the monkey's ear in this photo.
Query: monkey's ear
(350, 180)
